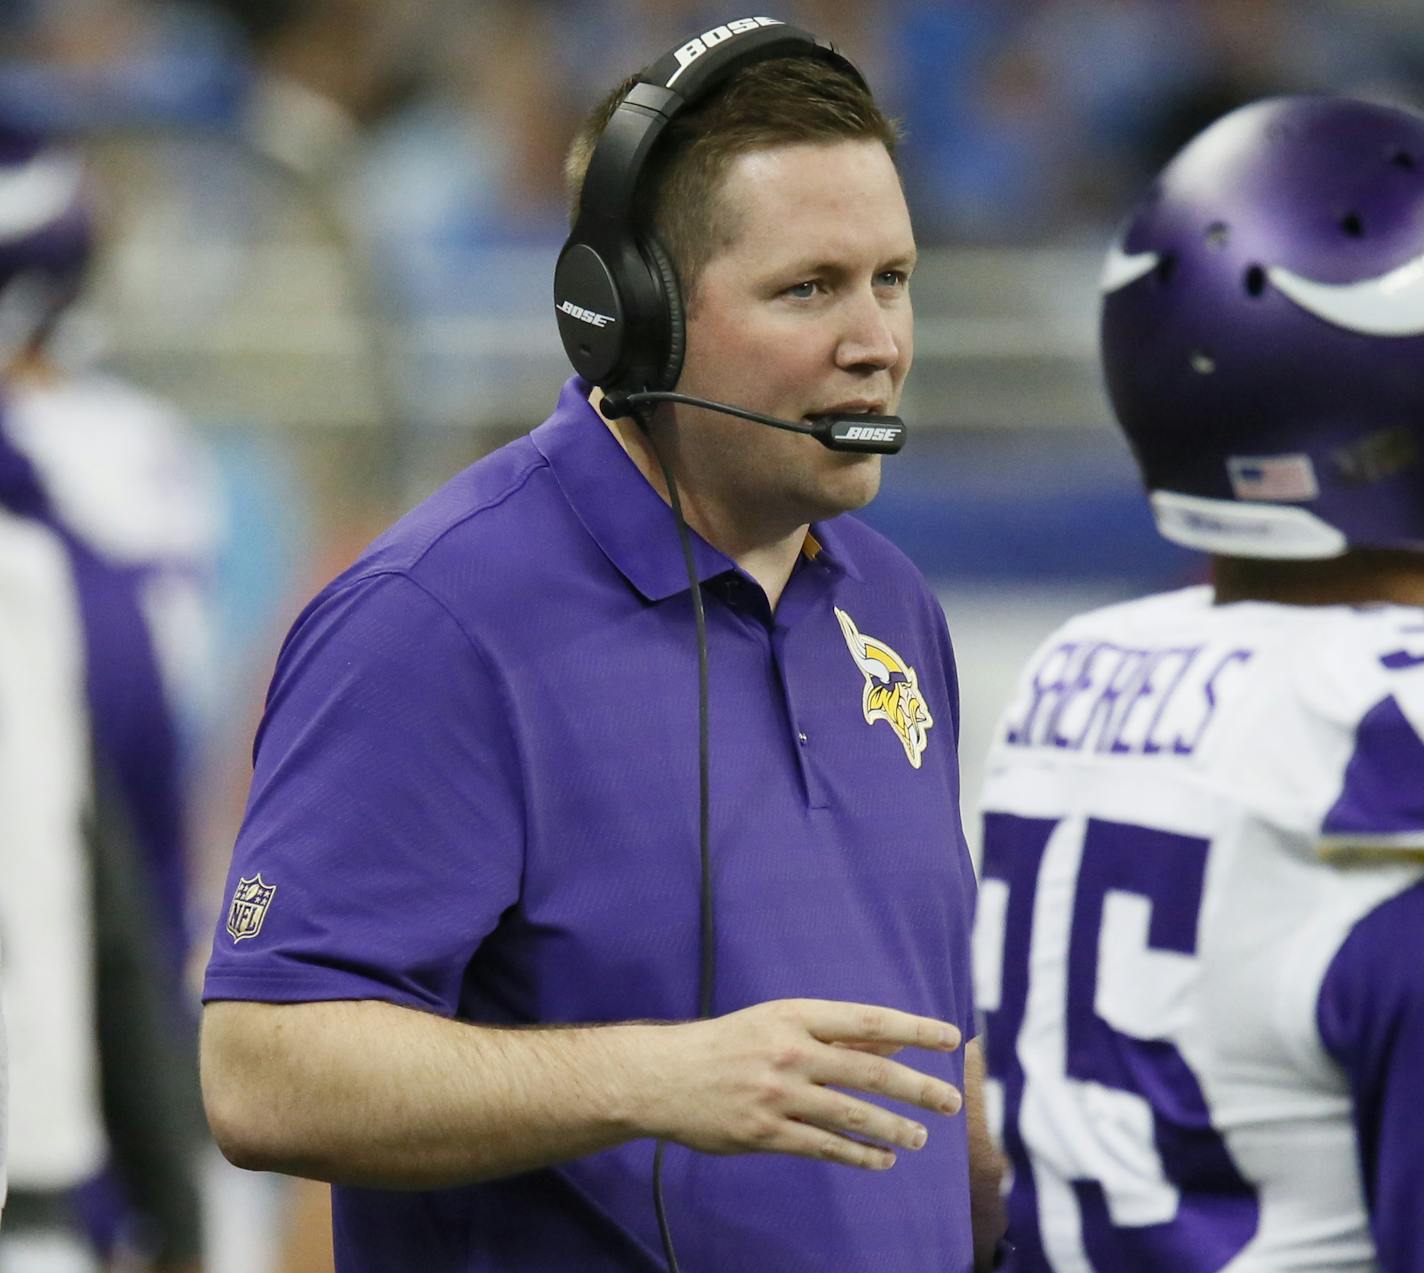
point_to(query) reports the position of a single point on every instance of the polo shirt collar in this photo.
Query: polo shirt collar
(826, 547)
(626, 517)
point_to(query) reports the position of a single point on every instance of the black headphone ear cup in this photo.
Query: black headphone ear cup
(675, 324)
(589, 309)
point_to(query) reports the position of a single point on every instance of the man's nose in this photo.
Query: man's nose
(869, 338)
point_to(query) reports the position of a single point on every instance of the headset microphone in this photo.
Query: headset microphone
(837, 431)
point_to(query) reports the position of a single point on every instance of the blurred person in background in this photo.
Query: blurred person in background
(322, 72)
(114, 479)
(47, 981)
(1037, 120)
(1231, 54)
(1200, 946)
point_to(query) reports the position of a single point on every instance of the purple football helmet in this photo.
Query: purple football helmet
(46, 235)
(1263, 332)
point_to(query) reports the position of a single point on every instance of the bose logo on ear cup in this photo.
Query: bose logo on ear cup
(592, 317)
(696, 47)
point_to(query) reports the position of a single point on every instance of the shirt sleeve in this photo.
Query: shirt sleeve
(384, 831)
(1370, 1014)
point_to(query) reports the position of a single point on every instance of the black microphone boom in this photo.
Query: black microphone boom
(870, 434)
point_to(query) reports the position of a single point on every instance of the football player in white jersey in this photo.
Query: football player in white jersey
(1200, 948)
(55, 1129)
(94, 497)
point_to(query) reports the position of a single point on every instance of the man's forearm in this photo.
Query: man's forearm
(365, 1093)
(370, 1094)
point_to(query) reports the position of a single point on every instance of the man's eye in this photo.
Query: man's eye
(803, 291)
(891, 278)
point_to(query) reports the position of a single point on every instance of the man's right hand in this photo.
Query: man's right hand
(766, 1079)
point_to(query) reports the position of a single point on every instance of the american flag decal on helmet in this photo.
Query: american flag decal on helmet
(1272, 477)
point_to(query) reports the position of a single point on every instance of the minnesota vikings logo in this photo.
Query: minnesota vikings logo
(250, 900)
(892, 690)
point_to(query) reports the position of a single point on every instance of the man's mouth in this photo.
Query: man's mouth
(847, 408)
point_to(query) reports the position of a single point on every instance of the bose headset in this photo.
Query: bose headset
(616, 293)
(620, 315)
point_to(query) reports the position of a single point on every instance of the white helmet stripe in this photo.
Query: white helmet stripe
(36, 194)
(1241, 528)
(1390, 305)
(1120, 269)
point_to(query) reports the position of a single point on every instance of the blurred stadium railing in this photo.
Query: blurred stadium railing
(240, 291)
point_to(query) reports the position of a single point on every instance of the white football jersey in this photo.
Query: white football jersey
(56, 1136)
(1188, 810)
(129, 476)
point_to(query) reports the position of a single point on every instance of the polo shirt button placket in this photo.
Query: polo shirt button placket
(733, 592)
(780, 640)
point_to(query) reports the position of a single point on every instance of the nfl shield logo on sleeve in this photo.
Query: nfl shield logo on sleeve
(250, 901)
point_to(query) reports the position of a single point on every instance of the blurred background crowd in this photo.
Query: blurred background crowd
(324, 240)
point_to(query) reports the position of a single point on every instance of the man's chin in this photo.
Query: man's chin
(852, 484)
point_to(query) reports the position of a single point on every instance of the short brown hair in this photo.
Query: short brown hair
(779, 102)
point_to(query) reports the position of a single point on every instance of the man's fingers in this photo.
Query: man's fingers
(833, 1022)
(866, 1072)
(849, 1115)
(875, 1049)
(815, 1142)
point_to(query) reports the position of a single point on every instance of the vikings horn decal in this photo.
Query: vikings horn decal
(1390, 304)
(1120, 269)
(892, 690)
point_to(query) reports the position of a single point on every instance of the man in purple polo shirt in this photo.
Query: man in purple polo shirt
(460, 966)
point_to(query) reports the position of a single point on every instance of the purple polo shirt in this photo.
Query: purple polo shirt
(476, 794)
